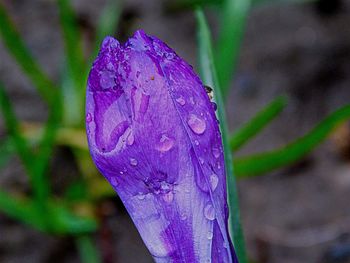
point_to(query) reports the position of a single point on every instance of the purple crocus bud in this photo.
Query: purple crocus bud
(153, 134)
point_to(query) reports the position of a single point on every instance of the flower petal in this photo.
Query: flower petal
(153, 134)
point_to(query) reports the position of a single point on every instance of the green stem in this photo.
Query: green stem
(209, 77)
(87, 249)
(234, 16)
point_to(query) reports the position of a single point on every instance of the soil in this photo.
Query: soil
(296, 214)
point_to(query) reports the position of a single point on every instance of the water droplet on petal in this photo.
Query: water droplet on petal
(201, 160)
(141, 196)
(88, 118)
(214, 181)
(209, 212)
(114, 181)
(130, 139)
(121, 172)
(196, 142)
(192, 100)
(107, 79)
(133, 161)
(196, 124)
(215, 107)
(168, 197)
(216, 152)
(181, 100)
(165, 143)
(210, 235)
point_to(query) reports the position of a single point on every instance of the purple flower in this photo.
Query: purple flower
(153, 134)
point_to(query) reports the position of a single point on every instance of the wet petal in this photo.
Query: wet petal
(153, 134)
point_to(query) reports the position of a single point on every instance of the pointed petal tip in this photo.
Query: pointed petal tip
(109, 43)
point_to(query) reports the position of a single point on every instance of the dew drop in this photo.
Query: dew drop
(214, 181)
(121, 172)
(210, 235)
(201, 160)
(196, 124)
(209, 212)
(192, 101)
(133, 161)
(114, 181)
(181, 100)
(196, 142)
(168, 197)
(165, 143)
(130, 139)
(107, 79)
(169, 56)
(216, 152)
(141, 196)
(88, 118)
(215, 107)
(183, 216)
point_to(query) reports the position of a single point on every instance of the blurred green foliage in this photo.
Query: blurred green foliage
(34, 143)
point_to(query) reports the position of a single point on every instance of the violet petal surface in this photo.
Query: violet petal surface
(153, 134)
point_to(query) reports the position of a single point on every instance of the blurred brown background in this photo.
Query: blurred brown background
(299, 214)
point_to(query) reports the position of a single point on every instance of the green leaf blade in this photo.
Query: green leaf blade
(22, 210)
(74, 77)
(232, 24)
(265, 162)
(250, 129)
(21, 54)
(107, 25)
(87, 249)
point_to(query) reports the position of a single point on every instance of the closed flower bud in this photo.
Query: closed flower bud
(153, 134)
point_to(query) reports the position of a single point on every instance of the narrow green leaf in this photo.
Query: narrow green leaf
(63, 221)
(209, 77)
(233, 18)
(108, 23)
(73, 43)
(11, 124)
(38, 182)
(57, 219)
(87, 249)
(18, 50)
(22, 210)
(6, 151)
(74, 77)
(43, 157)
(265, 162)
(257, 123)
